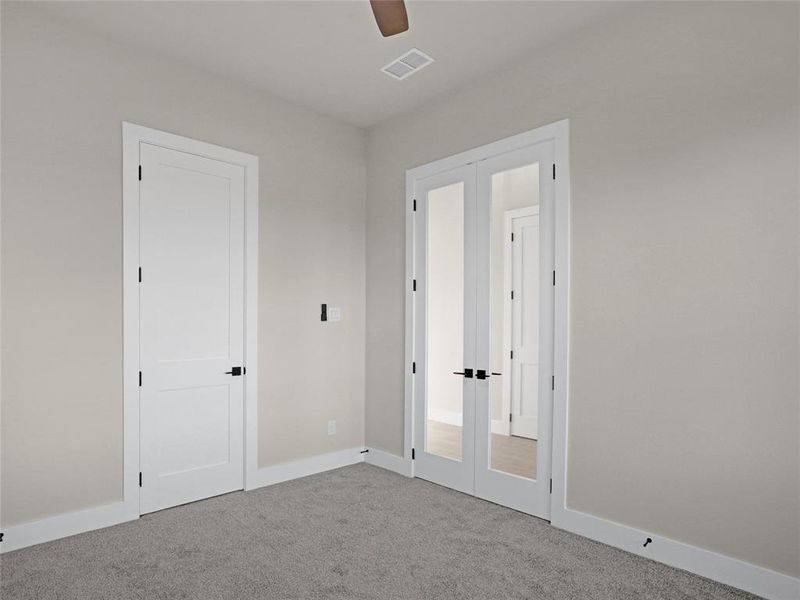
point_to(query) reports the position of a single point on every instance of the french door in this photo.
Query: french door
(446, 328)
(483, 328)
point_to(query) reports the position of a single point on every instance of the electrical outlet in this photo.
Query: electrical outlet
(331, 427)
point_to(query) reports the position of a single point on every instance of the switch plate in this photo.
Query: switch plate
(334, 313)
(331, 427)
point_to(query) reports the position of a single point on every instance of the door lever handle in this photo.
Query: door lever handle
(466, 373)
(235, 371)
(481, 374)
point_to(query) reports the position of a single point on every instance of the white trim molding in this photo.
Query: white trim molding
(132, 137)
(758, 580)
(449, 417)
(389, 461)
(724, 569)
(64, 525)
(501, 427)
(305, 467)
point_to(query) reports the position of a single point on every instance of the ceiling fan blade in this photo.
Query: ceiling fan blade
(390, 15)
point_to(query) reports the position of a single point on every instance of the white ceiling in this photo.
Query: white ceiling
(327, 55)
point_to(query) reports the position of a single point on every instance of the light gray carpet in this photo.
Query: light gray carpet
(357, 532)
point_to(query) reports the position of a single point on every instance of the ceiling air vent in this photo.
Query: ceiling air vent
(408, 64)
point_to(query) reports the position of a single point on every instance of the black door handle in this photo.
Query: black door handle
(481, 374)
(235, 371)
(466, 373)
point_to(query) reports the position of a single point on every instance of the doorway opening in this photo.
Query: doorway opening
(483, 320)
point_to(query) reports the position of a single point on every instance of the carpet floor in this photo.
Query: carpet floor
(358, 532)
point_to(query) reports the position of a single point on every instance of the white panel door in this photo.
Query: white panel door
(525, 325)
(191, 327)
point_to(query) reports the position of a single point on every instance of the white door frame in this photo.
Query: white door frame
(558, 132)
(132, 136)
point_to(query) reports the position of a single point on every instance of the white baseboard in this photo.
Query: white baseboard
(453, 418)
(388, 461)
(501, 427)
(736, 573)
(306, 466)
(757, 580)
(445, 416)
(64, 525)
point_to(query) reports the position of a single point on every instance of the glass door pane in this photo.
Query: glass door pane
(445, 319)
(514, 301)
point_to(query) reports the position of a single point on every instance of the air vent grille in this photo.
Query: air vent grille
(408, 64)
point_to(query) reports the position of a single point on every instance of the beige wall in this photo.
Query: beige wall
(65, 93)
(684, 348)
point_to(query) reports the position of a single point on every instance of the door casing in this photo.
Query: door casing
(558, 132)
(132, 136)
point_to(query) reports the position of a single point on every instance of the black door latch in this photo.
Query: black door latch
(235, 371)
(466, 373)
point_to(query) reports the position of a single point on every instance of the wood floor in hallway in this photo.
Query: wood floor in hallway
(509, 453)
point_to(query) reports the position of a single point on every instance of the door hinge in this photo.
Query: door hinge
(512, 355)
(553, 382)
(140, 172)
(554, 170)
(512, 294)
(140, 479)
(554, 277)
(140, 379)
(415, 205)
(413, 367)
(512, 236)
(551, 485)
(510, 417)
(413, 454)
(1, 536)
(414, 285)
(140, 274)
